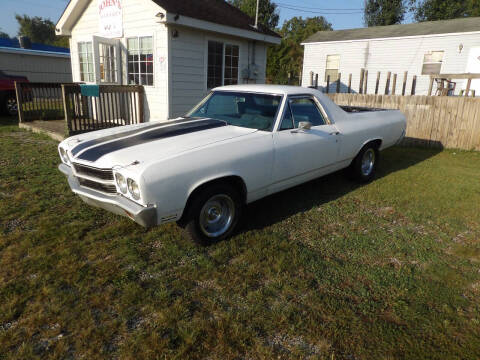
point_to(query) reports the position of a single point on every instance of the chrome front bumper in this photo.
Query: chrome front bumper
(117, 204)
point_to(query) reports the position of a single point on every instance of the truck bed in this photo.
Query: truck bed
(358, 109)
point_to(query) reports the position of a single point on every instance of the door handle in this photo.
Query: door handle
(335, 133)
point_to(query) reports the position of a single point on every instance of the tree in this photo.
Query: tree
(4, 35)
(384, 12)
(268, 14)
(288, 56)
(473, 8)
(39, 30)
(431, 10)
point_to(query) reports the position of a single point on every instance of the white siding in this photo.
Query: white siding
(181, 82)
(138, 20)
(188, 59)
(36, 68)
(395, 55)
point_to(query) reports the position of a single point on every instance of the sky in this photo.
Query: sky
(342, 14)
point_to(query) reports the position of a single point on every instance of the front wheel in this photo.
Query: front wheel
(11, 105)
(214, 214)
(364, 166)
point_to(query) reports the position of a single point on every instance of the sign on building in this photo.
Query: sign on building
(111, 19)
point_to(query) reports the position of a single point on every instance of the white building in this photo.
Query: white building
(37, 62)
(451, 46)
(177, 49)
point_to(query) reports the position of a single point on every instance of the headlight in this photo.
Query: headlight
(121, 182)
(64, 156)
(133, 189)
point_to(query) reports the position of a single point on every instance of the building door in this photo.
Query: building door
(108, 63)
(473, 66)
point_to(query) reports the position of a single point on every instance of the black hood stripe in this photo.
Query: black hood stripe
(96, 152)
(86, 144)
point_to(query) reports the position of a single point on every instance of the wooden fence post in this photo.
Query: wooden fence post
(362, 76)
(469, 84)
(414, 84)
(387, 84)
(300, 78)
(19, 93)
(377, 85)
(289, 75)
(394, 87)
(66, 109)
(404, 88)
(328, 84)
(316, 81)
(311, 78)
(430, 87)
(338, 82)
(365, 82)
(349, 83)
(141, 105)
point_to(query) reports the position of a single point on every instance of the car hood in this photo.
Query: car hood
(145, 143)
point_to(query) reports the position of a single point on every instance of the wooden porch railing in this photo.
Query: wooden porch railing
(39, 101)
(116, 105)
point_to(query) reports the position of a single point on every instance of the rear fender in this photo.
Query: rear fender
(378, 140)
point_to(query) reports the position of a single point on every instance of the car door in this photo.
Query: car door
(303, 154)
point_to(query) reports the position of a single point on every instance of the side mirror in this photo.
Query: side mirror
(304, 125)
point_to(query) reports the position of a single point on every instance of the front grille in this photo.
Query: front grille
(103, 174)
(109, 189)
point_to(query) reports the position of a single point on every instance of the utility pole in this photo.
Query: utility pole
(256, 15)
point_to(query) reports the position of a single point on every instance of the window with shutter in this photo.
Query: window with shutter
(332, 68)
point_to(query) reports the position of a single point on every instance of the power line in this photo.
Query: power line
(316, 8)
(324, 12)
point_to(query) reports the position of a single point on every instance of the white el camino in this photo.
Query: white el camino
(239, 144)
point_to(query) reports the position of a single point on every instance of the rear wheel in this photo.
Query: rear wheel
(213, 214)
(364, 166)
(11, 104)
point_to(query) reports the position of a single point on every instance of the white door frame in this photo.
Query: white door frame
(97, 40)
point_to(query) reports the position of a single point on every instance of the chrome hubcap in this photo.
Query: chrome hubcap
(368, 162)
(217, 215)
(12, 106)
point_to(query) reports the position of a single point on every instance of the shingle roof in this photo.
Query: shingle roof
(215, 11)
(14, 44)
(415, 29)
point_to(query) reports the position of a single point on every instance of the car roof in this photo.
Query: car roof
(269, 89)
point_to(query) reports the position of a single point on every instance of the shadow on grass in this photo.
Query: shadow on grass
(280, 206)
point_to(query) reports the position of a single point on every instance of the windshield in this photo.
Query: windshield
(254, 111)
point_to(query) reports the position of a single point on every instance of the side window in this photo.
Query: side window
(287, 121)
(85, 54)
(332, 67)
(305, 109)
(432, 62)
(140, 60)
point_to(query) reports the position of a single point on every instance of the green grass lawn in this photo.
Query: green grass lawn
(327, 270)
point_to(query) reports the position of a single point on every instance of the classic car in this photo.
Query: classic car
(238, 145)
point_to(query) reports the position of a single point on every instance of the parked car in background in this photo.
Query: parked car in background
(240, 144)
(8, 99)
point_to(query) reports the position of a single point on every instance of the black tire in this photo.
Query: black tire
(209, 201)
(359, 170)
(10, 104)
